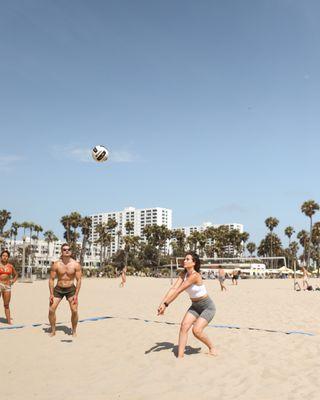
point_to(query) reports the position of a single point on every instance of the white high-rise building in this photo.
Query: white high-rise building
(200, 228)
(139, 217)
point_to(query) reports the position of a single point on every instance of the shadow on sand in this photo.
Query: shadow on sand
(63, 328)
(167, 346)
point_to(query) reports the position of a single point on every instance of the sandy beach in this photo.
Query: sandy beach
(126, 357)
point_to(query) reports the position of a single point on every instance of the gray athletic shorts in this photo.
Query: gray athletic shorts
(204, 308)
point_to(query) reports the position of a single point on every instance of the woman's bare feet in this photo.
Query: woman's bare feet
(212, 352)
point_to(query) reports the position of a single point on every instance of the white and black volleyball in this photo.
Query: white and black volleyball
(100, 153)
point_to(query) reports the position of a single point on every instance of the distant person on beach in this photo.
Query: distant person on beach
(235, 276)
(202, 308)
(297, 287)
(123, 277)
(65, 270)
(221, 278)
(8, 276)
(305, 276)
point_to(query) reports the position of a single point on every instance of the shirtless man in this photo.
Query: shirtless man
(66, 270)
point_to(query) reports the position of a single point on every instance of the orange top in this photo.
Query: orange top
(6, 269)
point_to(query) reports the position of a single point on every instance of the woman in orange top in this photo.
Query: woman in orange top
(8, 276)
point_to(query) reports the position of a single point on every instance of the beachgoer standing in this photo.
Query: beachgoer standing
(221, 278)
(8, 276)
(123, 277)
(66, 270)
(305, 276)
(235, 276)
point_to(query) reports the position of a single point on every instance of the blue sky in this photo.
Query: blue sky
(210, 108)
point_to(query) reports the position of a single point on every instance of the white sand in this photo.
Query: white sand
(130, 359)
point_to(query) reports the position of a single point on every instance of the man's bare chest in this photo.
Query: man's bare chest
(66, 270)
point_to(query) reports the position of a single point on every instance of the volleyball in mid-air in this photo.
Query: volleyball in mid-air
(100, 153)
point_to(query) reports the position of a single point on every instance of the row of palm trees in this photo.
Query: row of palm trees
(220, 241)
(309, 241)
(30, 231)
(212, 242)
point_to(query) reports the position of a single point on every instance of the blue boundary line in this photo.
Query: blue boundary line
(93, 319)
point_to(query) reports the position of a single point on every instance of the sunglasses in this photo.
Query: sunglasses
(66, 249)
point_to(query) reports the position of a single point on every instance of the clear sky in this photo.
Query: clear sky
(210, 108)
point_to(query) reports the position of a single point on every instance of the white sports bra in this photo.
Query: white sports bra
(195, 291)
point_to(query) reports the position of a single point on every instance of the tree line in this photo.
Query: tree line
(152, 248)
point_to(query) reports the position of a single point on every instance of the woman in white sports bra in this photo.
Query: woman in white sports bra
(202, 309)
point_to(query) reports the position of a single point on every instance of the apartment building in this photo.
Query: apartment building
(140, 218)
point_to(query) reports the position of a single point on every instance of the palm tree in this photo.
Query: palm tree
(135, 244)
(251, 247)
(66, 222)
(111, 225)
(129, 240)
(179, 244)
(119, 238)
(265, 245)
(244, 236)
(75, 223)
(33, 249)
(193, 240)
(289, 231)
(104, 240)
(14, 230)
(202, 242)
(129, 227)
(100, 230)
(49, 237)
(294, 247)
(71, 223)
(75, 220)
(164, 234)
(24, 225)
(271, 223)
(316, 244)
(303, 238)
(211, 234)
(5, 235)
(38, 229)
(222, 240)
(86, 225)
(5, 216)
(309, 208)
(130, 243)
(31, 226)
(233, 243)
(157, 237)
(293, 251)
